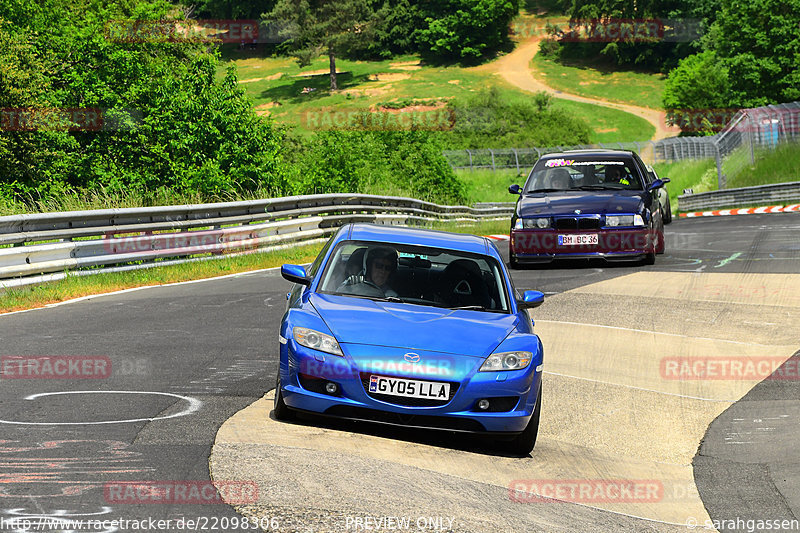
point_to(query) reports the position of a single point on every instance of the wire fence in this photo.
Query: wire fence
(524, 158)
(750, 132)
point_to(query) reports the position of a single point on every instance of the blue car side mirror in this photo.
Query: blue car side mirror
(531, 299)
(514, 189)
(657, 184)
(295, 274)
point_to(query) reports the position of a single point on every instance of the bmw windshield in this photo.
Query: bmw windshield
(575, 174)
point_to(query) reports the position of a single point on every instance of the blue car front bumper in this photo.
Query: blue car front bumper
(512, 395)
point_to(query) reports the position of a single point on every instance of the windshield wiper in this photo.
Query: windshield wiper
(469, 308)
(387, 299)
(594, 188)
(545, 190)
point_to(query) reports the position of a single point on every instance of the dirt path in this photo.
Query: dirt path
(515, 69)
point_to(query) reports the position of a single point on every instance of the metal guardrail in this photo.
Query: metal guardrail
(761, 195)
(37, 245)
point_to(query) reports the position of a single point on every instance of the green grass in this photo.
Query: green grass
(700, 175)
(491, 186)
(33, 296)
(609, 125)
(598, 80)
(772, 166)
(277, 91)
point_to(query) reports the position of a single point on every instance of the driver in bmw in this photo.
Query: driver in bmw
(379, 263)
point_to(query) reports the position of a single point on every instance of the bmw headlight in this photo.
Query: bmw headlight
(316, 340)
(506, 361)
(532, 223)
(624, 220)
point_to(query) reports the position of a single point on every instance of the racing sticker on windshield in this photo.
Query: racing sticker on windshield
(604, 163)
(559, 163)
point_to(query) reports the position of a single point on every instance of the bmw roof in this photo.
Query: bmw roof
(423, 237)
(590, 152)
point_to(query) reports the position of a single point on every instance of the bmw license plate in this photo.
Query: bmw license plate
(409, 388)
(578, 239)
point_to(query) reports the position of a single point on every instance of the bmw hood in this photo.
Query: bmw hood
(413, 327)
(589, 203)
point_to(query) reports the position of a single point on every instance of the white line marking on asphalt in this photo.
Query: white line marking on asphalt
(641, 388)
(651, 332)
(122, 291)
(194, 405)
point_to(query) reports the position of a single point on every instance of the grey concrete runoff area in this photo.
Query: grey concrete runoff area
(171, 429)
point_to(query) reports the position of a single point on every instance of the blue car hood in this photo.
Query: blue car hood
(588, 202)
(413, 327)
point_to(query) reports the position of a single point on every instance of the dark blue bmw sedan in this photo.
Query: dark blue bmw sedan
(412, 327)
(585, 204)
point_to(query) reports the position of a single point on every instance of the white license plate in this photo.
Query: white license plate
(578, 239)
(409, 388)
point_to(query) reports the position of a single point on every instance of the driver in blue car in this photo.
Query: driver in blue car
(373, 280)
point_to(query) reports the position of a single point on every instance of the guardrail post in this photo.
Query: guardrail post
(720, 176)
(516, 158)
(470, 160)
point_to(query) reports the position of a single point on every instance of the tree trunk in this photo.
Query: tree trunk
(334, 86)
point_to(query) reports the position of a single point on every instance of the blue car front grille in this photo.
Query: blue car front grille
(408, 402)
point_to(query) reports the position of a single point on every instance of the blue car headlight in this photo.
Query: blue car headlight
(506, 361)
(316, 340)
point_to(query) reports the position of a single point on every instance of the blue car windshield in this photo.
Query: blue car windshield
(415, 274)
(582, 174)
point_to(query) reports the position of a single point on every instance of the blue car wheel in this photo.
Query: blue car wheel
(282, 411)
(524, 442)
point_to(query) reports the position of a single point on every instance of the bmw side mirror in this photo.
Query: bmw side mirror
(295, 274)
(531, 299)
(657, 184)
(514, 189)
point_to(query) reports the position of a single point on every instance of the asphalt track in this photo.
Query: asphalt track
(191, 364)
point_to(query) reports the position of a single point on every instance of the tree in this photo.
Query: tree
(751, 58)
(466, 30)
(331, 27)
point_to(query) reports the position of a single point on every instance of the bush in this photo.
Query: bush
(488, 119)
(408, 163)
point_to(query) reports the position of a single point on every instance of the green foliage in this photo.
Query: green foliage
(330, 27)
(751, 57)
(759, 42)
(189, 132)
(489, 120)
(379, 162)
(232, 9)
(466, 30)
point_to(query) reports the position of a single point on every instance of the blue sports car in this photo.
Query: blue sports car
(412, 327)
